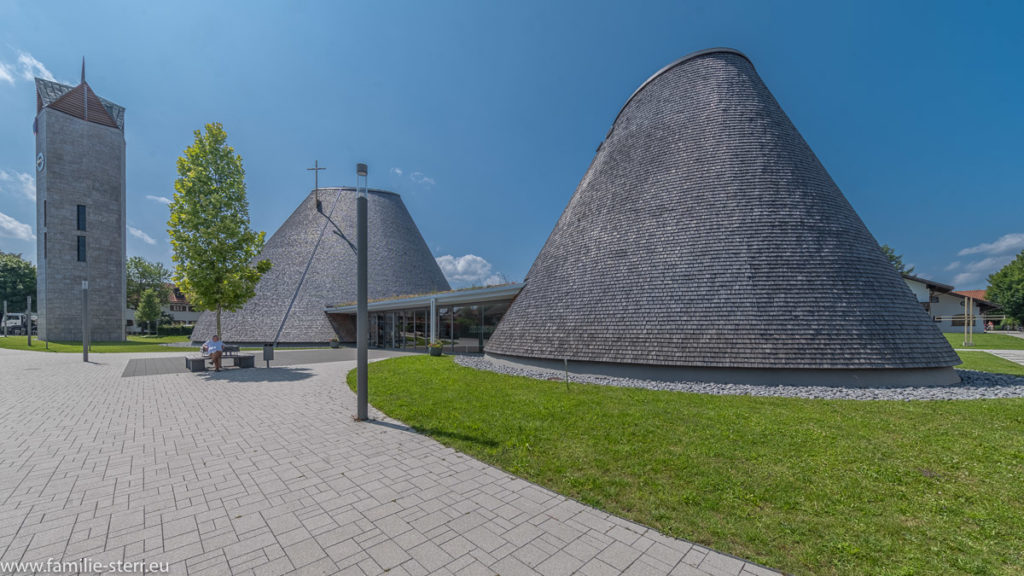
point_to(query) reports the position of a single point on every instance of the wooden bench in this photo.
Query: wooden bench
(197, 362)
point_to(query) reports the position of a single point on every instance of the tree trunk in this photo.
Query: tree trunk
(218, 324)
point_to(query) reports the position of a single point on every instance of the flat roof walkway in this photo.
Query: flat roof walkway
(264, 472)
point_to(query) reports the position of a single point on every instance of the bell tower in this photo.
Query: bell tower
(80, 211)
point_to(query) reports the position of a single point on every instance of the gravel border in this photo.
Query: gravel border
(974, 386)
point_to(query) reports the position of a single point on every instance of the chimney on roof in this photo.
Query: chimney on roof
(83, 69)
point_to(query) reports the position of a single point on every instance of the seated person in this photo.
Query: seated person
(215, 348)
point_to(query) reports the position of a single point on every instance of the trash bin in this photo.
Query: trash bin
(268, 353)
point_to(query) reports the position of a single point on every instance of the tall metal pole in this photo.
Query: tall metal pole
(362, 316)
(85, 320)
(28, 321)
(5, 318)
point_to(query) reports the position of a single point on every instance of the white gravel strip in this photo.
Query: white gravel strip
(974, 386)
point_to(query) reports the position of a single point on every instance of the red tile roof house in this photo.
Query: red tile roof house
(946, 305)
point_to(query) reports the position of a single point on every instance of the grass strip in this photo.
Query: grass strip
(133, 344)
(987, 342)
(985, 362)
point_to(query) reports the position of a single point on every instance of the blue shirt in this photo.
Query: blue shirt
(212, 346)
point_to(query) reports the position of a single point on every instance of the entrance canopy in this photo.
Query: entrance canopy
(462, 319)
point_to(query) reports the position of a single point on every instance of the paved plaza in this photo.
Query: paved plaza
(264, 472)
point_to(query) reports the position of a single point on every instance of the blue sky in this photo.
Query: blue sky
(484, 116)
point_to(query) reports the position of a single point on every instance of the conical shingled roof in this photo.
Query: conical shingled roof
(314, 264)
(707, 234)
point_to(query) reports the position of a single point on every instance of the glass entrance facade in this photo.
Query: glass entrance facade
(463, 319)
(462, 328)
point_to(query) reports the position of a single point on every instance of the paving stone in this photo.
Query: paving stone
(430, 556)
(560, 564)
(321, 567)
(304, 552)
(596, 567)
(509, 566)
(262, 472)
(387, 554)
(721, 565)
(618, 555)
(647, 567)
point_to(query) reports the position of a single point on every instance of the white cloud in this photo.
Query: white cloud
(963, 278)
(468, 270)
(396, 171)
(21, 183)
(977, 272)
(141, 235)
(953, 266)
(421, 178)
(1006, 243)
(6, 74)
(30, 67)
(160, 199)
(11, 228)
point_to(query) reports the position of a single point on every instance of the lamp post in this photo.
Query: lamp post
(85, 320)
(362, 319)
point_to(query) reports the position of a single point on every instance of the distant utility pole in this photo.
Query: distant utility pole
(316, 183)
(5, 318)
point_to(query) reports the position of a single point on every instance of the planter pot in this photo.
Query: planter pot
(435, 351)
(335, 344)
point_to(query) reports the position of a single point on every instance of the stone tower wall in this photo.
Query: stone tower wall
(84, 164)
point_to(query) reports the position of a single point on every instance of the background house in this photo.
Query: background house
(176, 306)
(946, 306)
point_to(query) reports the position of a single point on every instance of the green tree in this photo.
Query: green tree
(215, 250)
(149, 308)
(17, 281)
(143, 275)
(896, 260)
(1006, 288)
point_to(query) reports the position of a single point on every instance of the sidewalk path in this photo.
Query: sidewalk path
(263, 472)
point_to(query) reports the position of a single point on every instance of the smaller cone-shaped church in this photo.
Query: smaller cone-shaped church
(707, 241)
(314, 265)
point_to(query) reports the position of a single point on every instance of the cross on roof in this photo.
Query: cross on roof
(316, 181)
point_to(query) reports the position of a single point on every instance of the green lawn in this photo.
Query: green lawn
(986, 362)
(988, 341)
(158, 339)
(805, 486)
(134, 344)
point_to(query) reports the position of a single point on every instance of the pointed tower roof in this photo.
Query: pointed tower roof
(314, 264)
(77, 101)
(707, 234)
